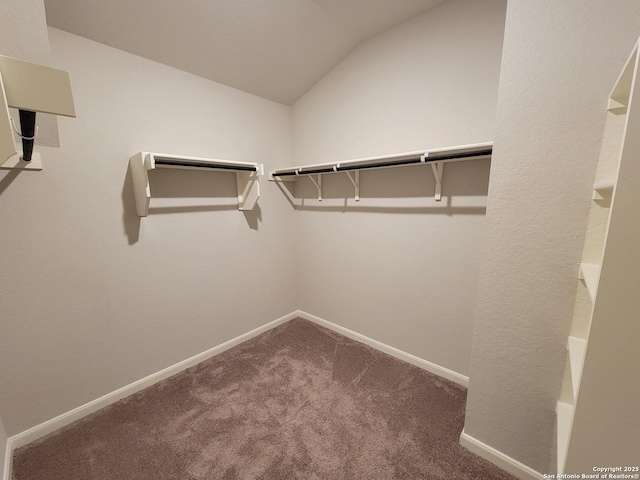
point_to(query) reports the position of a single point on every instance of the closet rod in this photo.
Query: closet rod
(389, 163)
(217, 166)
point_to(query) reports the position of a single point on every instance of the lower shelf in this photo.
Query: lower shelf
(576, 347)
(564, 413)
(590, 274)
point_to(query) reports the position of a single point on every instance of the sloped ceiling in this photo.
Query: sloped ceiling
(276, 49)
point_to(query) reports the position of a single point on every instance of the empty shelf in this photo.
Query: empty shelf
(576, 347)
(590, 274)
(602, 188)
(435, 158)
(564, 415)
(247, 176)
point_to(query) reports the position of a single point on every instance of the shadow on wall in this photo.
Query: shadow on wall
(184, 191)
(407, 189)
(8, 179)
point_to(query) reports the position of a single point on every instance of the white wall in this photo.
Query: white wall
(95, 297)
(24, 35)
(24, 31)
(560, 61)
(399, 267)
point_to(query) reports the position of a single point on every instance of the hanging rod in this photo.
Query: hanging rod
(202, 163)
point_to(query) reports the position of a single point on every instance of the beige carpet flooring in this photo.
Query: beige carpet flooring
(297, 402)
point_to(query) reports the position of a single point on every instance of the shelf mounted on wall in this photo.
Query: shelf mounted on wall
(30, 88)
(247, 176)
(436, 158)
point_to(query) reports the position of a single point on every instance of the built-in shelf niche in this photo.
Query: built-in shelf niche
(598, 385)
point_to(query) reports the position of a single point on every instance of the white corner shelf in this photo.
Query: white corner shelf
(621, 92)
(590, 275)
(247, 176)
(564, 414)
(603, 188)
(577, 347)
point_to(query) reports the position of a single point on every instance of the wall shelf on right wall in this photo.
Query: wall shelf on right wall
(436, 158)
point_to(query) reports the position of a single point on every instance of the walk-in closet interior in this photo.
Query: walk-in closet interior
(452, 185)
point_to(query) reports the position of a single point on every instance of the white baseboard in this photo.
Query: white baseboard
(39, 431)
(8, 460)
(394, 352)
(499, 459)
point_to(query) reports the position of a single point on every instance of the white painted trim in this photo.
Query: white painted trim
(498, 458)
(8, 460)
(39, 431)
(394, 352)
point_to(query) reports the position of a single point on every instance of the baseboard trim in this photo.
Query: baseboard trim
(498, 458)
(8, 460)
(39, 431)
(394, 352)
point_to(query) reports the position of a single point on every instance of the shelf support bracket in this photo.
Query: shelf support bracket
(248, 188)
(356, 183)
(438, 168)
(318, 185)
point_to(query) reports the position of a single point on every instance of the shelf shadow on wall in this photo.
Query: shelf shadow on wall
(184, 191)
(8, 179)
(397, 190)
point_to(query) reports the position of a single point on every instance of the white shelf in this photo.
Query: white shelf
(590, 274)
(619, 96)
(594, 427)
(247, 176)
(577, 347)
(435, 157)
(602, 188)
(564, 413)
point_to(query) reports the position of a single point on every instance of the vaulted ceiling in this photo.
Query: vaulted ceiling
(276, 49)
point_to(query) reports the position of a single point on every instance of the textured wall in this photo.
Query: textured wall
(560, 61)
(95, 297)
(3, 446)
(398, 266)
(23, 35)
(24, 31)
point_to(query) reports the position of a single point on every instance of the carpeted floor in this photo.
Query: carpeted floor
(297, 402)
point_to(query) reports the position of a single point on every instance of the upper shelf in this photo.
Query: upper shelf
(436, 158)
(463, 152)
(603, 188)
(619, 97)
(247, 176)
(590, 274)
